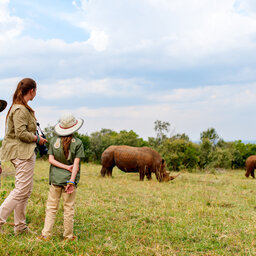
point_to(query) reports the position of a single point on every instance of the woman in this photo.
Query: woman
(19, 147)
(3, 105)
(65, 152)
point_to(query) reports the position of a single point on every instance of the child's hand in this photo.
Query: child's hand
(70, 188)
(70, 168)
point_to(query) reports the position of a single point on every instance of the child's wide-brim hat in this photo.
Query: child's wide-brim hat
(68, 124)
(3, 105)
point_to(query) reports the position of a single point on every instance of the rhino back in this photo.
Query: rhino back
(130, 159)
(156, 158)
(126, 158)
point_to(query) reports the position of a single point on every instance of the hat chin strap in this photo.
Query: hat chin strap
(69, 126)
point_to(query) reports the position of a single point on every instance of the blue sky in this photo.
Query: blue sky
(124, 64)
(41, 21)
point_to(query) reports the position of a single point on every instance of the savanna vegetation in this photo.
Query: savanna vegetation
(179, 152)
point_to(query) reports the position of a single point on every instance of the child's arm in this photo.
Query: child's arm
(59, 164)
(70, 187)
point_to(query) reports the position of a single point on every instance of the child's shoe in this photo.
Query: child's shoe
(70, 239)
(43, 238)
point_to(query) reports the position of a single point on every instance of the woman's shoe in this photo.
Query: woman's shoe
(26, 230)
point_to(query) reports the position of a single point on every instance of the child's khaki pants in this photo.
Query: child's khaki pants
(52, 207)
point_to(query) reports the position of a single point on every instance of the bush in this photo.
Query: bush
(179, 153)
(241, 153)
(105, 138)
(205, 153)
(222, 158)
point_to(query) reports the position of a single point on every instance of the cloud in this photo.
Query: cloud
(81, 88)
(99, 40)
(135, 37)
(228, 108)
(245, 7)
(183, 31)
(236, 95)
(188, 110)
(10, 27)
(191, 63)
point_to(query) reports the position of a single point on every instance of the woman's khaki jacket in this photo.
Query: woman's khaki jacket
(19, 135)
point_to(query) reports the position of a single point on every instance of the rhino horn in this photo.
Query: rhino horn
(173, 177)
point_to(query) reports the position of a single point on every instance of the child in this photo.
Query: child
(65, 152)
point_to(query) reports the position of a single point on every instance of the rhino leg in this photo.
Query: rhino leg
(149, 177)
(107, 161)
(142, 174)
(106, 171)
(109, 171)
(148, 173)
(103, 171)
(252, 173)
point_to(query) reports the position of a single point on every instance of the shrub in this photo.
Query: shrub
(179, 153)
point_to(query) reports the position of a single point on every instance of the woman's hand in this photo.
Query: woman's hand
(70, 168)
(70, 188)
(42, 140)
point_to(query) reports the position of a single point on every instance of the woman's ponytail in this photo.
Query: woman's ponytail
(23, 87)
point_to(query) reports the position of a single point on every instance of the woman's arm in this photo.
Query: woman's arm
(20, 125)
(20, 120)
(59, 164)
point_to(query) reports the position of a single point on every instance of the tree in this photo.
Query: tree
(182, 136)
(241, 152)
(222, 157)
(99, 141)
(179, 153)
(205, 153)
(87, 146)
(49, 132)
(130, 138)
(161, 128)
(211, 135)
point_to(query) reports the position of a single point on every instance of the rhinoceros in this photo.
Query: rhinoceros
(144, 160)
(250, 165)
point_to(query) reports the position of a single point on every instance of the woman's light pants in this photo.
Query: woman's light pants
(18, 198)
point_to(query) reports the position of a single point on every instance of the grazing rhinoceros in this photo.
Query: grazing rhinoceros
(250, 165)
(135, 159)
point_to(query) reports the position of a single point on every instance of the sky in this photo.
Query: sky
(123, 64)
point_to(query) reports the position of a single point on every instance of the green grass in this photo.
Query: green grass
(196, 214)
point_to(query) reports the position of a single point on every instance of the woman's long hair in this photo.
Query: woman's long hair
(66, 141)
(23, 87)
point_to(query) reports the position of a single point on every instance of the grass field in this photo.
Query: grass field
(196, 214)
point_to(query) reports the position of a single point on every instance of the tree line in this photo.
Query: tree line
(178, 150)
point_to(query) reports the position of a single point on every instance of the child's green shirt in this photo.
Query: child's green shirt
(59, 176)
